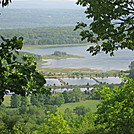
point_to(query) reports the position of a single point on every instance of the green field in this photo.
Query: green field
(55, 45)
(92, 104)
(7, 100)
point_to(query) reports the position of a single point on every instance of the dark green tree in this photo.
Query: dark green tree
(9, 118)
(23, 109)
(59, 100)
(24, 101)
(34, 99)
(19, 78)
(33, 110)
(74, 95)
(66, 97)
(15, 101)
(131, 72)
(81, 110)
(111, 27)
(51, 108)
(41, 98)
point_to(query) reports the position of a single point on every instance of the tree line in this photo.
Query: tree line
(41, 100)
(38, 113)
(45, 35)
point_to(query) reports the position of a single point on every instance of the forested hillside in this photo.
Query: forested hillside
(45, 35)
(31, 18)
(40, 113)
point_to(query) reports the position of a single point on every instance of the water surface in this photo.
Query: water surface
(102, 61)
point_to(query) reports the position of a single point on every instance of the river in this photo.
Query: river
(102, 61)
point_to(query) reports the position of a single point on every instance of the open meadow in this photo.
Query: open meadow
(92, 104)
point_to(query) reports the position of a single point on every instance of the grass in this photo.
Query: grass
(92, 104)
(69, 71)
(48, 46)
(61, 57)
(6, 101)
(77, 72)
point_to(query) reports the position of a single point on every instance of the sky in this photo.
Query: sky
(46, 0)
(66, 4)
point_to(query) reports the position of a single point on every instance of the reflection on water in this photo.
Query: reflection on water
(102, 61)
(82, 81)
(52, 82)
(79, 81)
(110, 80)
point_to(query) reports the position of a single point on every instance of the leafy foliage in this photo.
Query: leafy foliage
(33, 119)
(15, 101)
(53, 99)
(78, 123)
(74, 95)
(81, 110)
(5, 2)
(55, 124)
(116, 112)
(112, 26)
(17, 77)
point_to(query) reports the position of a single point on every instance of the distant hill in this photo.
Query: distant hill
(44, 4)
(32, 18)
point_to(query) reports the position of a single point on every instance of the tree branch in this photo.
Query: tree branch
(5, 2)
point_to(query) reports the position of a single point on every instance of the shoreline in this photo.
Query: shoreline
(78, 72)
(49, 46)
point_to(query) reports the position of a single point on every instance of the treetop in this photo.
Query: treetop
(112, 25)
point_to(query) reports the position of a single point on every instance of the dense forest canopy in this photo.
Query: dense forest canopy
(45, 35)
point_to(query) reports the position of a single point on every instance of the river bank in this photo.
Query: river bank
(50, 46)
(77, 72)
(100, 63)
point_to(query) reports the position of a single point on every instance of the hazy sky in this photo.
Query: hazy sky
(66, 4)
(46, 0)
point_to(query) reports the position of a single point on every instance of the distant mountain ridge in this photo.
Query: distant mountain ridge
(11, 18)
